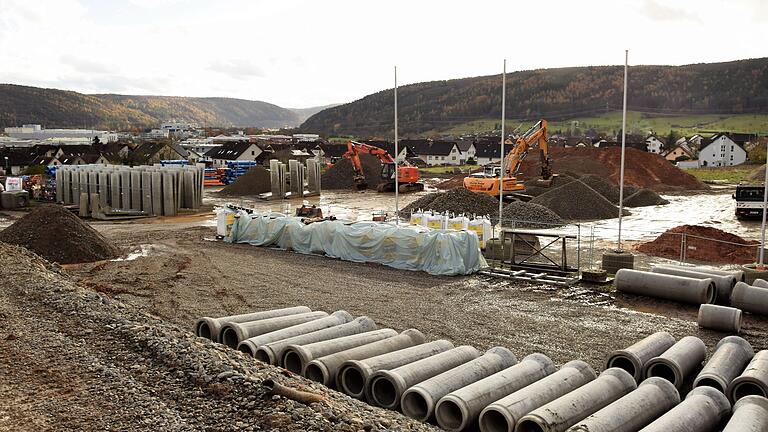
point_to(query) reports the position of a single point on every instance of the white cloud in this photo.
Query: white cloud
(663, 12)
(241, 69)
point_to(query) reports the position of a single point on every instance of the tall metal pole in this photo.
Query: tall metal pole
(397, 174)
(503, 117)
(765, 205)
(623, 145)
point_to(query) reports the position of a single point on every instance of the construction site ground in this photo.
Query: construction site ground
(109, 345)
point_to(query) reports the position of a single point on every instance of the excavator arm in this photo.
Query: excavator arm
(535, 136)
(354, 149)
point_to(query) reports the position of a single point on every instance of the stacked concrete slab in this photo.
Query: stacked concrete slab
(294, 180)
(152, 190)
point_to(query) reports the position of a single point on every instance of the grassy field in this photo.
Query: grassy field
(732, 175)
(447, 169)
(636, 122)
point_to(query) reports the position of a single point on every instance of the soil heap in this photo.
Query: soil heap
(700, 245)
(457, 200)
(533, 190)
(644, 198)
(530, 215)
(577, 201)
(58, 235)
(255, 181)
(758, 174)
(341, 174)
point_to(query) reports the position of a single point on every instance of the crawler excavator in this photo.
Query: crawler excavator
(407, 175)
(487, 182)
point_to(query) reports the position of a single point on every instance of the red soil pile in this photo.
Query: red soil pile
(641, 169)
(701, 247)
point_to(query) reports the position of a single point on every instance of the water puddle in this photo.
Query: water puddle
(143, 251)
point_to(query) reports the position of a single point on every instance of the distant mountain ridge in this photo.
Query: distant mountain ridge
(62, 108)
(707, 88)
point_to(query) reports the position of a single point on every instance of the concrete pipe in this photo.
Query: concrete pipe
(731, 356)
(459, 410)
(633, 358)
(325, 369)
(296, 357)
(760, 283)
(750, 414)
(723, 283)
(385, 388)
(354, 374)
(750, 298)
(250, 345)
(738, 274)
(273, 352)
(720, 318)
(569, 409)
(678, 362)
(210, 328)
(703, 410)
(753, 381)
(233, 333)
(664, 286)
(419, 400)
(503, 415)
(653, 398)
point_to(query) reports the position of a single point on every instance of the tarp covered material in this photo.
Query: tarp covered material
(407, 247)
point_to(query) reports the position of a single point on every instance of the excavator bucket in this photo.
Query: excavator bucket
(542, 182)
(360, 182)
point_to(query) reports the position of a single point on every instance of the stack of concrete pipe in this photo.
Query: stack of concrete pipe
(460, 388)
(152, 190)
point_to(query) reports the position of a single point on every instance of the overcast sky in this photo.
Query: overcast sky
(305, 53)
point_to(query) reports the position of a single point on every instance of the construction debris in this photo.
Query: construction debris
(530, 215)
(58, 235)
(341, 174)
(644, 198)
(577, 201)
(702, 243)
(255, 181)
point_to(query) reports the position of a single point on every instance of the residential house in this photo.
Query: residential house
(152, 152)
(680, 150)
(722, 149)
(655, 144)
(467, 149)
(437, 152)
(404, 150)
(329, 153)
(234, 151)
(571, 142)
(487, 152)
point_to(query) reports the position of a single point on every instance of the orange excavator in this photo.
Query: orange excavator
(488, 181)
(407, 175)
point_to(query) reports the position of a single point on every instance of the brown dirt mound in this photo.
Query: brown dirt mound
(700, 245)
(644, 198)
(341, 175)
(758, 174)
(58, 235)
(457, 201)
(577, 201)
(530, 215)
(255, 181)
(453, 182)
(642, 169)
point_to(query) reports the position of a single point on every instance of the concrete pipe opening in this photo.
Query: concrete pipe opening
(494, 421)
(415, 406)
(246, 349)
(204, 330)
(663, 370)
(744, 389)
(352, 381)
(528, 425)
(711, 293)
(384, 392)
(292, 362)
(262, 356)
(709, 382)
(622, 362)
(315, 373)
(229, 337)
(449, 415)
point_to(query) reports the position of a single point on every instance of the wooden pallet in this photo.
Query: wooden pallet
(530, 276)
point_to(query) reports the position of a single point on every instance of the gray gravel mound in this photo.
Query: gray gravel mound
(644, 198)
(530, 215)
(577, 201)
(533, 190)
(457, 200)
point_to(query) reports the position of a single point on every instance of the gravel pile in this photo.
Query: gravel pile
(530, 215)
(119, 368)
(577, 201)
(532, 189)
(644, 198)
(56, 234)
(457, 200)
(341, 175)
(255, 181)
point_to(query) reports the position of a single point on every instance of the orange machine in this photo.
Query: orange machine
(488, 181)
(407, 176)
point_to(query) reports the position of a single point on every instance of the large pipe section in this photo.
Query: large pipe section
(678, 362)
(754, 379)
(723, 283)
(652, 398)
(325, 369)
(233, 333)
(750, 298)
(386, 387)
(633, 358)
(738, 274)
(569, 409)
(354, 374)
(296, 357)
(249, 346)
(703, 410)
(731, 355)
(460, 409)
(720, 318)
(760, 283)
(664, 286)
(503, 415)
(419, 400)
(210, 328)
(273, 352)
(750, 414)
